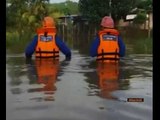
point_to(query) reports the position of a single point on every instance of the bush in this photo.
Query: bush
(11, 38)
(143, 46)
(140, 18)
(16, 43)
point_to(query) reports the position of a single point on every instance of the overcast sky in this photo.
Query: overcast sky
(58, 1)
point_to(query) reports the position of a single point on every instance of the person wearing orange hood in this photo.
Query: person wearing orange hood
(108, 44)
(46, 44)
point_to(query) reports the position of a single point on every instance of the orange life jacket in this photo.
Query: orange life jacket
(46, 46)
(108, 50)
(108, 78)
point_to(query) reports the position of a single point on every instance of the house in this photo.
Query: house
(130, 17)
(72, 18)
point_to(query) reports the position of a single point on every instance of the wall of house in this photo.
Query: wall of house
(147, 25)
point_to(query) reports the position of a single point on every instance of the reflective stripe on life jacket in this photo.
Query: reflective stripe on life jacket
(46, 46)
(108, 50)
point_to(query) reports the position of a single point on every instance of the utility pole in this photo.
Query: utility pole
(110, 3)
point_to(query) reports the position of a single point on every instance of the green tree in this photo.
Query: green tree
(143, 8)
(96, 9)
(120, 8)
(21, 13)
(64, 7)
(140, 18)
(57, 10)
(14, 12)
(22, 17)
(145, 5)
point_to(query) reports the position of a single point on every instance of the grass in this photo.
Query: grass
(137, 40)
(134, 39)
(143, 46)
(15, 43)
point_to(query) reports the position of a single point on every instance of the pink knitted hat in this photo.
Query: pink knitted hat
(107, 22)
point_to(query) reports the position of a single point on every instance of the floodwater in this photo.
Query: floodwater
(79, 89)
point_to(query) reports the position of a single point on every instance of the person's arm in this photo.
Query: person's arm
(94, 47)
(63, 47)
(122, 47)
(31, 47)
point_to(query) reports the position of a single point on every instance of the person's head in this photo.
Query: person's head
(48, 22)
(107, 22)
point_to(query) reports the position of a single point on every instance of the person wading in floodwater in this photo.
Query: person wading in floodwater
(46, 44)
(107, 47)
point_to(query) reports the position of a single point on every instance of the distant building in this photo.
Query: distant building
(72, 18)
(129, 21)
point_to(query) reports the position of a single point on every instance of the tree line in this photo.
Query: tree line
(94, 10)
(29, 13)
(23, 16)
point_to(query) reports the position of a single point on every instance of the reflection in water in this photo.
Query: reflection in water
(28, 88)
(46, 73)
(108, 78)
(27, 84)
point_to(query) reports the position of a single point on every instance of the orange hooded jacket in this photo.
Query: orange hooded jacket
(46, 46)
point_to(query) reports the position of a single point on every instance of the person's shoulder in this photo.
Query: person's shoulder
(116, 31)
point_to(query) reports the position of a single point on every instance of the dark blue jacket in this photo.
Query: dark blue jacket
(61, 45)
(96, 42)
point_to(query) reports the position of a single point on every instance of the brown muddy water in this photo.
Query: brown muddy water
(78, 89)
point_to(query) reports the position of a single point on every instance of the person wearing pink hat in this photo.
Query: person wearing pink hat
(108, 45)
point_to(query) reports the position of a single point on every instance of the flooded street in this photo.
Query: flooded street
(78, 89)
(51, 86)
